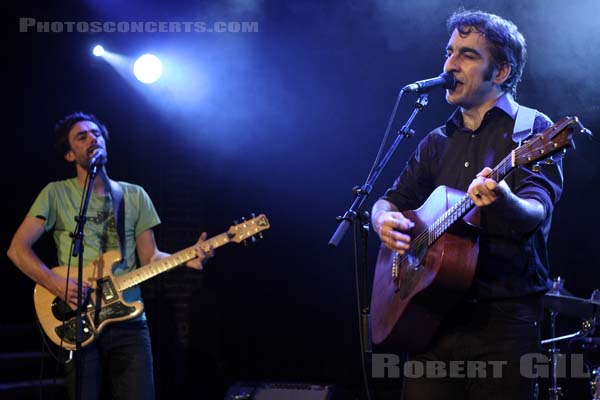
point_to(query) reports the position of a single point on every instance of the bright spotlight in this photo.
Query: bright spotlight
(147, 68)
(98, 50)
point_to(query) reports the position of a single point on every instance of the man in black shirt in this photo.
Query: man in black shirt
(499, 319)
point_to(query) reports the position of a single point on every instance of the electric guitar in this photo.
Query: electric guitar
(412, 292)
(105, 304)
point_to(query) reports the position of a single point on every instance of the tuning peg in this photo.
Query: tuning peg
(252, 215)
(250, 241)
(536, 167)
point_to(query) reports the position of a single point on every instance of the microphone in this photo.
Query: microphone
(98, 158)
(445, 80)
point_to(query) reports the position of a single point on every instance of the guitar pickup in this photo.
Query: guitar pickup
(107, 289)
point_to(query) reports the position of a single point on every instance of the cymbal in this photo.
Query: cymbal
(571, 305)
(556, 286)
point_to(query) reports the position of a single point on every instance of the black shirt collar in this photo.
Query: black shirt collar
(505, 104)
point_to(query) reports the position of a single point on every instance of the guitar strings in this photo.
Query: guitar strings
(464, 203)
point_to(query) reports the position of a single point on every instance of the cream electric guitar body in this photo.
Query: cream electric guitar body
(104, 303)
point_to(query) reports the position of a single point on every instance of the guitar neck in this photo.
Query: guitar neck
(465, 204)
(148, 271)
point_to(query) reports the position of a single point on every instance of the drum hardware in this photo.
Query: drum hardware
(559, 301)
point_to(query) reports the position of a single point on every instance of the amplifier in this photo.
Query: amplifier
(278, 391)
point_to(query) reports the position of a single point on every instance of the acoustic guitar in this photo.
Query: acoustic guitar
(413, 292)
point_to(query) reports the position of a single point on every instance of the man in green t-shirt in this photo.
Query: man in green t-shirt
(119, 361)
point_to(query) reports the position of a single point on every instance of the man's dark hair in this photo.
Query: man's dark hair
(62, 128)
(507, 44)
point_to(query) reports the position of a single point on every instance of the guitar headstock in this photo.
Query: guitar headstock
(549, 144)
(243, 230)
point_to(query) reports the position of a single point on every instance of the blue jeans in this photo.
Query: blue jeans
(117, 365)
(485, 342)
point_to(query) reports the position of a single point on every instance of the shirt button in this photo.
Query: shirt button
(466, 164)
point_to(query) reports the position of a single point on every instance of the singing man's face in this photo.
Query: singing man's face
(84, 138)
(468, 57)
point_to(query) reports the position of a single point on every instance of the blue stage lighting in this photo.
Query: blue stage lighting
(147, 68)
(98, 50)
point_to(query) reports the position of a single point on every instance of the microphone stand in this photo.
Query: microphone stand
(350, 218)
(78, 249)
(363, 191)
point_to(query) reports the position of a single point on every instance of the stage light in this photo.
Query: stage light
(98, 50)
(147, 68)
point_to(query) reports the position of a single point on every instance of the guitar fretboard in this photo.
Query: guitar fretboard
(465, 204)
(151, 270)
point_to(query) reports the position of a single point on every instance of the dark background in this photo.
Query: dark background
(284, 122)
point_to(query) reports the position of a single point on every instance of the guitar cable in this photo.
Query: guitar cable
(46, 346)
(61, 355)
(47, 349)
(57, 355)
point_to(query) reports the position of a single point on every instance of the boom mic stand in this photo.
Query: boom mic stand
(350, 218)
(78, 249)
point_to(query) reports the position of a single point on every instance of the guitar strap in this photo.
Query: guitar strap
(523, 124)
(118, 202)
